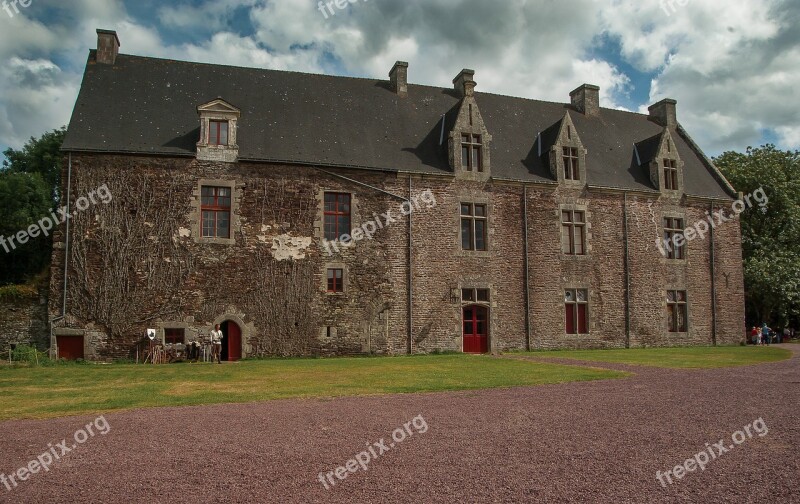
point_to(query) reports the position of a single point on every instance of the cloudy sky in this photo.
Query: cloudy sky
(734, 67)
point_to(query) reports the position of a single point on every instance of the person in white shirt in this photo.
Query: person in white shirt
(216, 344)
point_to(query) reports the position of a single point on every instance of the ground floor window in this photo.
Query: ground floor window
(576, 304)
(174, 336)
(677, 311)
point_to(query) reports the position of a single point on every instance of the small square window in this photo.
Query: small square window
(174, 336)
(468, 294)
(483, 295)
(335, 280)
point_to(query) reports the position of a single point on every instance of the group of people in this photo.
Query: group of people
(764, 335)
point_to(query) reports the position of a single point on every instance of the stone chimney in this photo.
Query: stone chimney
(664, 113)
(399, 78)
(107, 47)
(464, 83)
(586, 99)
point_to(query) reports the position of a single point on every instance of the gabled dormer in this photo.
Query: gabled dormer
(660, 157)
(218, 126)
(469, 140)
(567, 155)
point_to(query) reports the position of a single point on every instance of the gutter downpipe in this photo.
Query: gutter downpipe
(66, 262)
(410, 278)
(713, 284)
(527, 269)
(627, 275)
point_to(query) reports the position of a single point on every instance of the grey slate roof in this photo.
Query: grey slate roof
(149, 106)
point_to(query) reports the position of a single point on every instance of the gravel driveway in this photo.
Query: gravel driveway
(579, 442)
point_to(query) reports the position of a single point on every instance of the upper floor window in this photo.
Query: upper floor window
(673, 228)
(573, 232)
(571, 171)
(335, 280)
(337, 215)
(471, 146)
(473, 226)
(677, 311)
(218, 132)
(670, 175)
(576, 307)
(216, 210)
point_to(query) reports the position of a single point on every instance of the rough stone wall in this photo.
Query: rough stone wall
(137, 263)
(24, 322)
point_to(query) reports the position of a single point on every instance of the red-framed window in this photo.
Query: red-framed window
(174, 336)
(218, 132)
(670, 175)
(216, 210)
(335, 280)
(573, 232)
(677, 311)
(337, 215)
(576, 304)
(471, 152)
(474, 222)
(673, 227)
(571, 172)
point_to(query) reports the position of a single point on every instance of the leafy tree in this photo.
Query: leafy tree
(40, 156)
(24, 199)
(770, 235)
(29, 190)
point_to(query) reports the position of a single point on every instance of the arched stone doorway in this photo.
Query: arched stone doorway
(231, 341)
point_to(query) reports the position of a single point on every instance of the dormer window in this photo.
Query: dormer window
(218, 133)
(571, 170)
(670, 175)
(471, 155)
(566, 153)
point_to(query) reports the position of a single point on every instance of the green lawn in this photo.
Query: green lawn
(45, 392)
(681, 358)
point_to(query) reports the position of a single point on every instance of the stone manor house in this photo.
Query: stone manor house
(319, 215)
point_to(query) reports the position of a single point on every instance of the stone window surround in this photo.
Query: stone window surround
(558, 151)
(161, 328)
(345, 278)
(589, 295)
(672, 213)
(688, 311)
(588, 239)
(480, 200)
(319, 221)
(196, 216)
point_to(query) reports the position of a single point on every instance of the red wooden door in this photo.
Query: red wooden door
(234, 342)
(70, 347)
(476, 329)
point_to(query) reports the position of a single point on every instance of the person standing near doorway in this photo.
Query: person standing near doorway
(216, 344)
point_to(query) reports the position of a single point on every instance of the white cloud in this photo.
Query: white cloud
(732, 67)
